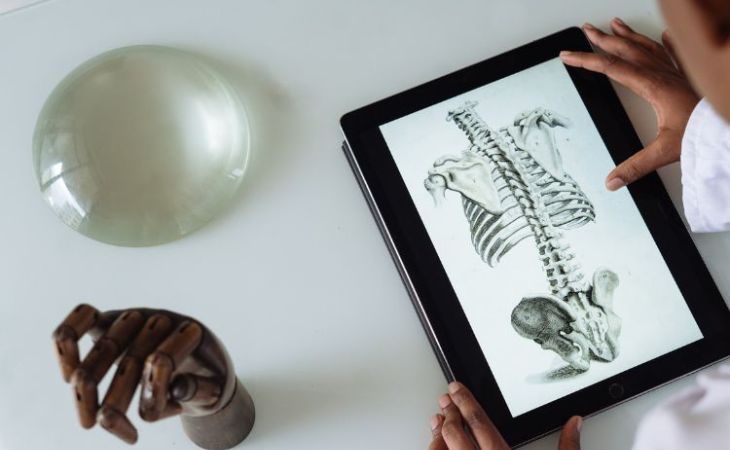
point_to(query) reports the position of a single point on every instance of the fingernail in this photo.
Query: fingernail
(588, 26)
(444, 401)
(435, 421)
(619, 21)
(579, 424)
(454, 386)
(565, 54)
(615, 184)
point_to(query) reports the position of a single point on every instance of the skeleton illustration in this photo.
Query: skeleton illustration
(513, 186)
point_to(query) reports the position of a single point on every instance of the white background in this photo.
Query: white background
(12, 5)
(655, 317)
(294, 277)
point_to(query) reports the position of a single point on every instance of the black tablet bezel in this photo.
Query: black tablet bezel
(451, 335)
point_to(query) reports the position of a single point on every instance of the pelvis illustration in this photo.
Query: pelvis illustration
(513, 186)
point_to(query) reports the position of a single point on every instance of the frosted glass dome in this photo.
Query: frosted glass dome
(140, 146)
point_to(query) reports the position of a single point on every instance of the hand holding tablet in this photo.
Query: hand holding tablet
(543, 293)
(651, 71)
(462, 416)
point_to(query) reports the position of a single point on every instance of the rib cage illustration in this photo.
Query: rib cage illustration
(513, 186)
(493, 235)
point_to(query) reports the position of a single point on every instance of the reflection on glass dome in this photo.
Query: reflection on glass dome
(140, 146)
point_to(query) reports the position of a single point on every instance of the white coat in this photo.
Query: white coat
(698, 418)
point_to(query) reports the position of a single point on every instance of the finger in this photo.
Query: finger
(570, 436)
(629, 75)
(95, 365)
(452, 430)
(621, 47)
(172, 408)
(112, 414)
(672, 51)
(656, 49)
(437, 442)
(476, 419)
(68, 334)
(664, 150)
(195, 390)
(161, 364)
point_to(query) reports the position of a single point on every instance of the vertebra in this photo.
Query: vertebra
(513, 186)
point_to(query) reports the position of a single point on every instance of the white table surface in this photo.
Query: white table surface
(294, 277)
(7, 6)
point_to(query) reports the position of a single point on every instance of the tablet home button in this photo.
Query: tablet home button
(616, 390)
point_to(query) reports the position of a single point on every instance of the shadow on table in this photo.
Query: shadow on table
(285, 408)
(319, 400)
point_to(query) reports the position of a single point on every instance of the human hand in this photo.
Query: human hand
(650, 70)
(181, 366)
(460, 409)
(701, 31)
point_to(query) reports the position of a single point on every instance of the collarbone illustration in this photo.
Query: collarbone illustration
(513, 185)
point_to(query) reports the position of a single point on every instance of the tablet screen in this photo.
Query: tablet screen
(560, 279)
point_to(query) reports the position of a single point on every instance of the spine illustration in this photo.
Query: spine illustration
(513, 186)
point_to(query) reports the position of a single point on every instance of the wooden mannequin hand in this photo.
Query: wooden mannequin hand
(181, 366)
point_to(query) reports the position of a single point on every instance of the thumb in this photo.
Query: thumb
(664, 150)
(570, 436)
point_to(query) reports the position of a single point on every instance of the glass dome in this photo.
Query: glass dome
(140, 146)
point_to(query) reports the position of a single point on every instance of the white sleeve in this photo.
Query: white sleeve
(697, 419)
(705, 161)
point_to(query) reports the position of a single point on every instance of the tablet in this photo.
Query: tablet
(541, 291)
